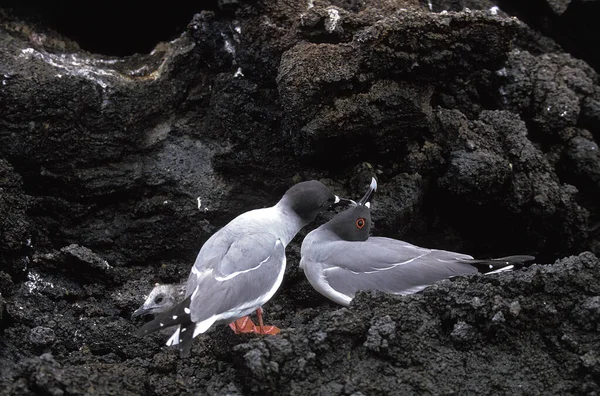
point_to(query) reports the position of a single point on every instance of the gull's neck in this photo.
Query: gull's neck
(291, 223)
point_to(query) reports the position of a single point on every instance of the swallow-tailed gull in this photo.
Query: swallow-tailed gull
(340, 259)
(240, 267)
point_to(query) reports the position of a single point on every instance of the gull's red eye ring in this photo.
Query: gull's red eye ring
(360, 223)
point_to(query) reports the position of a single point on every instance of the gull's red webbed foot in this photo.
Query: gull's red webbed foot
(262, 328)
(243, 325)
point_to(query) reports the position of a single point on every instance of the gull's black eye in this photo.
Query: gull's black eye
(360, 223)
(159, 299)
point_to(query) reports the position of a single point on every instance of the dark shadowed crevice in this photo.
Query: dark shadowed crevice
(110, 27)
(576, 29)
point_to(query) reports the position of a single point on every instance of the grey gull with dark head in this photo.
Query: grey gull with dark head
(340, 259)
(241, 266)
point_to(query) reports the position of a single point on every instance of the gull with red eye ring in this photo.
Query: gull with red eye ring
(241, 266)
(340, 259)
(360, 223)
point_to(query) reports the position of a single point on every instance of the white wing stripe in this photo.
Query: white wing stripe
(200, 274)
(233, 275)
(195, 292)
(500, 270)
(392, 266)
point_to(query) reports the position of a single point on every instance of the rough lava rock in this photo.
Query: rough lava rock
(481, 130)
(466, 335)
(15, 231)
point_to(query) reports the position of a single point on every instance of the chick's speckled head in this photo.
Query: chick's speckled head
(161, 299)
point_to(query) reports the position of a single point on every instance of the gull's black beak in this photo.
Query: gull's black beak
(369, 194)
(344, 201)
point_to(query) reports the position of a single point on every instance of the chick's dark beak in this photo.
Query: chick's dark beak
(139, 312)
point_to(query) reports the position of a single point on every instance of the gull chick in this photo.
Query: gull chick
(161, 299)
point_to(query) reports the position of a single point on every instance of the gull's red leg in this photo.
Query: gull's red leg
(261, 328)
(243, 325)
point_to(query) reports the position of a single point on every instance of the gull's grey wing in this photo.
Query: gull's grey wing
(247, 273)
(380, 254)
(339, 269)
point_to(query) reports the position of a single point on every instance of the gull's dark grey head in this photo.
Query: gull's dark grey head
(161, 299)
(354, 224)
(309, 198)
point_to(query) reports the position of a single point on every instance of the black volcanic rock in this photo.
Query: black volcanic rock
(15, 231)
(483, 135)
(466, 333)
